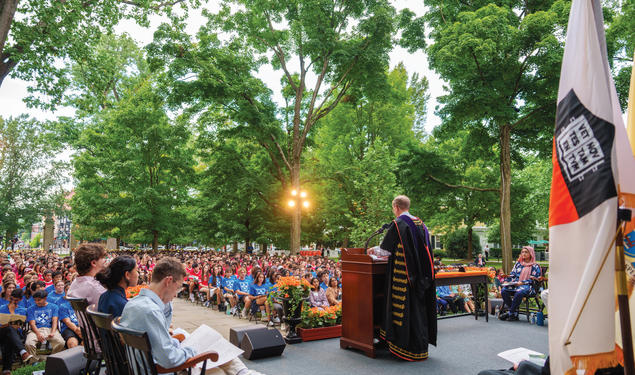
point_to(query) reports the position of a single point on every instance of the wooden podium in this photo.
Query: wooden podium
(363, 299)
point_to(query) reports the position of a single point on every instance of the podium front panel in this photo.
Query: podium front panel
(363, 299)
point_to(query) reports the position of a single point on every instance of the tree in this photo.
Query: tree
(501, 61)
(234, 191)
(134, 169)
(355, 152)
(29, 174)
(341, 44)
(451, 181)
(35, 35)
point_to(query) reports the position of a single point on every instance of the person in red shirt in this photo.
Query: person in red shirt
(194, 278)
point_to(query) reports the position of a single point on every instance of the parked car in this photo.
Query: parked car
(190, 248)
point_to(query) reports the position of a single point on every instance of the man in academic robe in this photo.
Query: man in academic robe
(410, 321)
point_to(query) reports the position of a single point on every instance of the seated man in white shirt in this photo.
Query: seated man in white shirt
(148, 312)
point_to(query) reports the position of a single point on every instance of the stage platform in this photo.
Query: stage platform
(465, 346)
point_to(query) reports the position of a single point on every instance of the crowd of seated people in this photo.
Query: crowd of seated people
(49, 324)
(35, 284)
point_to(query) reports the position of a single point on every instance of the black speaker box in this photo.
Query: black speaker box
(67, 362)
(236, 334)
(261, 343)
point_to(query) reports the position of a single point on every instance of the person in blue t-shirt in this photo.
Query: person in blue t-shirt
(228, 288)
(324, 280)
(257, 294)
(215, 286)
(58, 293)
(70, 330)
(241, 286)
(42, 318)
(7, 288)
(11, 334)
(57, 276)
(33, 287)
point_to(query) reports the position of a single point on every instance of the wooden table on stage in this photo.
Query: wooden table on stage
(363, 295)
(476, 279)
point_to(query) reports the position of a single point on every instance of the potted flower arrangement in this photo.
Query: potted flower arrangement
(292, 292)
(320, 324)
(133, 291)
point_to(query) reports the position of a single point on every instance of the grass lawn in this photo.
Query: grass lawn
(28, 369)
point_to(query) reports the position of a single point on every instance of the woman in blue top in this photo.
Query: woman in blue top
(215, 286)
(257, 293)
(120, 274)
(519, 282)
(7, 288)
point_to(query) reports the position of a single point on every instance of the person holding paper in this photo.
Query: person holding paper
(11, 334)
(147, 313)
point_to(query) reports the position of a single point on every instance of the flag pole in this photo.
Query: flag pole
(622, 295)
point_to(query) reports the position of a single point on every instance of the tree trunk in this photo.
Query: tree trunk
(155, 240)
(235, 247)
(296, 217)
(505, 198)
(47, 233)
(470, 250)
(118, 239)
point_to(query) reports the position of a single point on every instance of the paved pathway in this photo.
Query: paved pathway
(465, 346)
(189, 316)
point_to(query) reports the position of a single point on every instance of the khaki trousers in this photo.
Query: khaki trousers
(57, 342)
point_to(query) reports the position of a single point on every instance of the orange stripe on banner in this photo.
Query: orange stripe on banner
(561, 207)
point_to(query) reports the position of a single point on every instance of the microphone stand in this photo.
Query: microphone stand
(379, 231)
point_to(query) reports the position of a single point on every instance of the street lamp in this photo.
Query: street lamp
(301, 200)
(298, 199)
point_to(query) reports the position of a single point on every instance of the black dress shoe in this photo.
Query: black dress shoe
(504, 316)
(513, 318)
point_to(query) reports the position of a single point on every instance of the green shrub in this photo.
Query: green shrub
(456, 244)
(35, 242)
(440, 252)
(495, 252)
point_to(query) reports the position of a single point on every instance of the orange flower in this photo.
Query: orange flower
(286, 296)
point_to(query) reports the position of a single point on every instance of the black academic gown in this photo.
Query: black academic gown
(410, 320)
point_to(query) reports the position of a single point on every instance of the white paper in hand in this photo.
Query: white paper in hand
(517, 355)
(204, 339)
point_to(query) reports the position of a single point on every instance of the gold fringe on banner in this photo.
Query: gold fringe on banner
(590, 363)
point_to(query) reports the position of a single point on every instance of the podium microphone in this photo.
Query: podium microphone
(378, 231)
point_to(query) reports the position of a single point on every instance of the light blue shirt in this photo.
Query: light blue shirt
(148, 313)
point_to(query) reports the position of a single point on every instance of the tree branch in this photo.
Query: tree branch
(529, 115)
(155, 7)
(284, 158)
(278, 51)
(462, 186)
(278, 175)
(478, 66)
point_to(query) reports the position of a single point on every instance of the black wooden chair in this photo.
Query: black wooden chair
(536, 286)
(110, 343)
(90, 336)
(139, 354)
